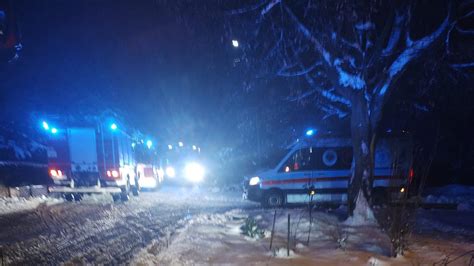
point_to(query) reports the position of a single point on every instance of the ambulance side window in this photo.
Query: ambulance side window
(333, 158)
(300, 160)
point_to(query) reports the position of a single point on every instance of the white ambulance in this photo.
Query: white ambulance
(322, 167)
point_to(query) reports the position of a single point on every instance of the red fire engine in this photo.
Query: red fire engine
(93, 154)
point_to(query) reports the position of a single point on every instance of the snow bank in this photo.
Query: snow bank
(457, 194)
(216, 239)
(363, 214)
(18, 204)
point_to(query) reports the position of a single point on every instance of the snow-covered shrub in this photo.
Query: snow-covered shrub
(251, 229)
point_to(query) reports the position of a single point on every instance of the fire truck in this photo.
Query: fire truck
(93, 154)
(150, 174)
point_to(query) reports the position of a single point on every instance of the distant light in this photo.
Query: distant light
(402, 190)
(180, 144)
(235, 43)
(194, 172)
(170, 147)
(310, 132)
(149, 143)
(194, 147)
(45, 125)
(133, 145)
(170, 172)
(113, 126)
(54, 130)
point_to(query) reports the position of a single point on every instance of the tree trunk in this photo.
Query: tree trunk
(361, 143)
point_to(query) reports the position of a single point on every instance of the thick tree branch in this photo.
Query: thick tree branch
(338, 76)
(411, 52)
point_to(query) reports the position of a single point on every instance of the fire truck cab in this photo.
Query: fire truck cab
(90, 155)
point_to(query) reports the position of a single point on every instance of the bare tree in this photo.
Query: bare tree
(350, 54)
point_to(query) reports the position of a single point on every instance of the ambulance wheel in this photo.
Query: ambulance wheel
(273, 199)
(135, 191)
(124, 196)
(69, 197)
(135, 188)
(116, 197)
(77, 197)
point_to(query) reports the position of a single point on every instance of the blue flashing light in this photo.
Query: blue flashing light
(54, 130)
(310, 132)
(113, 126)
(149, 143)
(45, 125)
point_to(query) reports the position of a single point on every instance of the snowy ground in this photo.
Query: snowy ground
(183, 226)
(19, 204)
(98, 231)
(216, 239)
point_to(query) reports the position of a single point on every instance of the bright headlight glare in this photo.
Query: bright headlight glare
(170, 172)
(194, 172)
(254, 181)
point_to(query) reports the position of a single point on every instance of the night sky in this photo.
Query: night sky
(168, 67)
(164, 65)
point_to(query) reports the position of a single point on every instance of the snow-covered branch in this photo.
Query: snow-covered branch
(269, 7)
(345, 78)
(248, 8)
(411, 52)
(465, 65)
(395, 34)
(307, 33)
(332, 110)
(284, 71)
(327, 93)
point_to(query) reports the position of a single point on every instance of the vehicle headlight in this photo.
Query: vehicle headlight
(170, 172)
(254, 181)
(194, 172)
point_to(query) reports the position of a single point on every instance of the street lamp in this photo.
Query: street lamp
(235, 43)
(113, 126)
(310, 132)
(149, 143)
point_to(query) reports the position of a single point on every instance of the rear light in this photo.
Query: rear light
(115, 174)
(53, 173)
(411, 174)
(56, 174)
(112, 173)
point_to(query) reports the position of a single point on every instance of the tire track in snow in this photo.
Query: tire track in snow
(98, 233)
